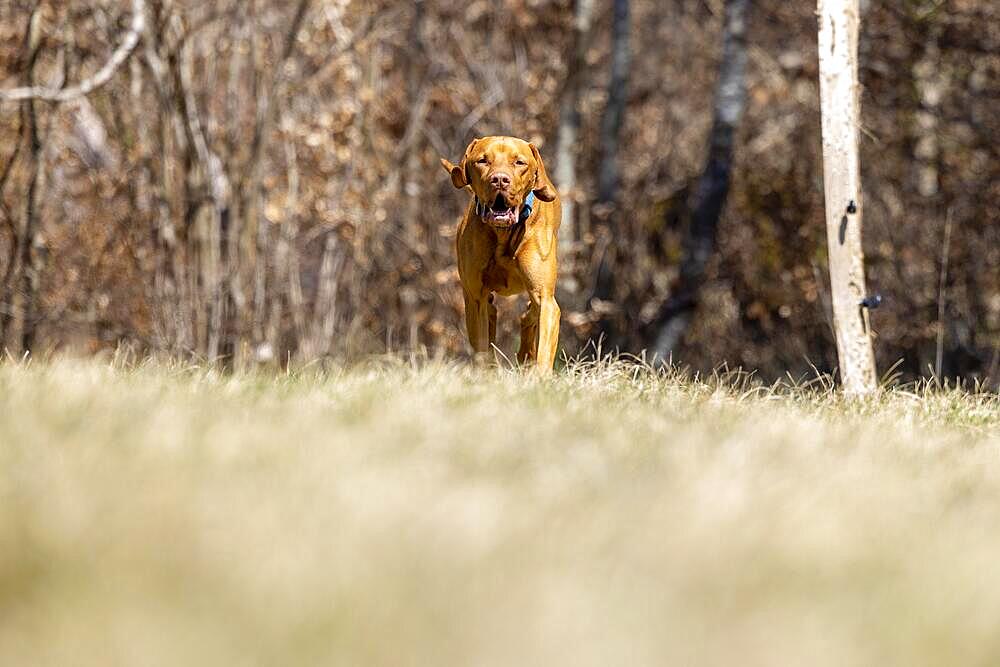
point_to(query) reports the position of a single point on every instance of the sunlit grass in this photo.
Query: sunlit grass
(434, 513)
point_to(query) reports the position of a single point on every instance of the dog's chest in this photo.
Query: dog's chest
(502, 274)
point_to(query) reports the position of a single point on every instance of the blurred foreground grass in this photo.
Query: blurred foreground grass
(443, 515)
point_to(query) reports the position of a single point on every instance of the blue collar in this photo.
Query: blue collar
(526, 207)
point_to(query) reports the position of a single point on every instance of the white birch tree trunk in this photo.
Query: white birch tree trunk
(839, 104)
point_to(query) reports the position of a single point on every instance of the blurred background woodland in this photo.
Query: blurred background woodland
(258, 180)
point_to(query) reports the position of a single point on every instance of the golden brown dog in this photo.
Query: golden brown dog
(506, 243)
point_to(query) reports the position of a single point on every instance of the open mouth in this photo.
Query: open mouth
(499, 214)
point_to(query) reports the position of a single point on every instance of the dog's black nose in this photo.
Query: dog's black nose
(500, 180)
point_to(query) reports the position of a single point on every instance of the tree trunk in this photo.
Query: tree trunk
(28, 254)
(614, 112)
(839, 104)
(607, 211)
(567, 138)
(238, 222)
(713, 187)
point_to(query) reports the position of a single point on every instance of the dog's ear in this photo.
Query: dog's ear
(543, 187)
(460, 172)
(457, 173)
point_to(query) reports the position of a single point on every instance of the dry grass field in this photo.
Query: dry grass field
(436, 514)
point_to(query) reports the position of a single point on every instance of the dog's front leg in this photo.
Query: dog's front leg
(529, 334)
(548, 331)
(491, 312)
(477, 322)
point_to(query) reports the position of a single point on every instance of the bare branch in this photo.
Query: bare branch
(101, 77)
(265, 112)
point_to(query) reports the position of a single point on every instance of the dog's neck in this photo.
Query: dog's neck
(503, 234)
(508, 239)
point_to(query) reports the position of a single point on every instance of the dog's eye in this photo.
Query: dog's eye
(520, 162)
(482, 160)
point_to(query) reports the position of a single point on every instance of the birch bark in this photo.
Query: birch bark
(839, 105)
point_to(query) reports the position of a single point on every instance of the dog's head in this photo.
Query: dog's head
(501, 172)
